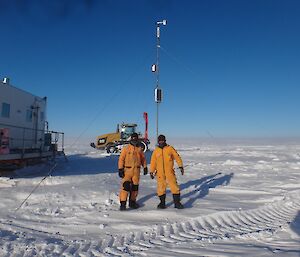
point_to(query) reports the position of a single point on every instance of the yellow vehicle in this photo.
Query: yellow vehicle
(114, 142)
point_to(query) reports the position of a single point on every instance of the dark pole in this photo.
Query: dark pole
(158, 89)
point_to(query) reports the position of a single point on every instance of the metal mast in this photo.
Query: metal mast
(155, 68)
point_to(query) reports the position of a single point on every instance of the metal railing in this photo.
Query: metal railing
(22, 139)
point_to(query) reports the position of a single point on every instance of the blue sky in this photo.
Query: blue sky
(228, 68)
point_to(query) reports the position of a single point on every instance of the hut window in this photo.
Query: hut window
(42, 116)
(5, 110)
(29, 115)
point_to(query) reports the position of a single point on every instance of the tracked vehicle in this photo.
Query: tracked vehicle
(114, 142)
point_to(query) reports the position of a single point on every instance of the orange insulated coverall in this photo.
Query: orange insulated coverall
(131, 160)
(162, 164)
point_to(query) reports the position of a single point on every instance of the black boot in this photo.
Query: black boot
(162, 204)
(123, 206)
(177, 203)
(133, 204)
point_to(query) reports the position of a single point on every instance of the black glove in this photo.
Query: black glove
(145, 171)
(152, 175)
(181, 170)
(121, 173)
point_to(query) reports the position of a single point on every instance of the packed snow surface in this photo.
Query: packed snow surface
(241, 199)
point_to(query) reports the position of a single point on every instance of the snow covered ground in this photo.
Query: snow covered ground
(241, 199)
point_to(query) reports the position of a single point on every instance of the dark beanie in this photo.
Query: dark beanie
(134, 135)
(161, 138)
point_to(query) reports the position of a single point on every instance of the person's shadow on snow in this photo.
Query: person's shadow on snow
(295, 225)
(200, 188)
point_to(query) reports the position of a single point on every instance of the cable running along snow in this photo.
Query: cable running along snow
(48, 174)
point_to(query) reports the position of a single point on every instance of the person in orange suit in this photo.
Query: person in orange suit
(132, 158)
(162, 166)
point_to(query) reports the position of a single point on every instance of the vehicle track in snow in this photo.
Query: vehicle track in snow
(222, 225)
